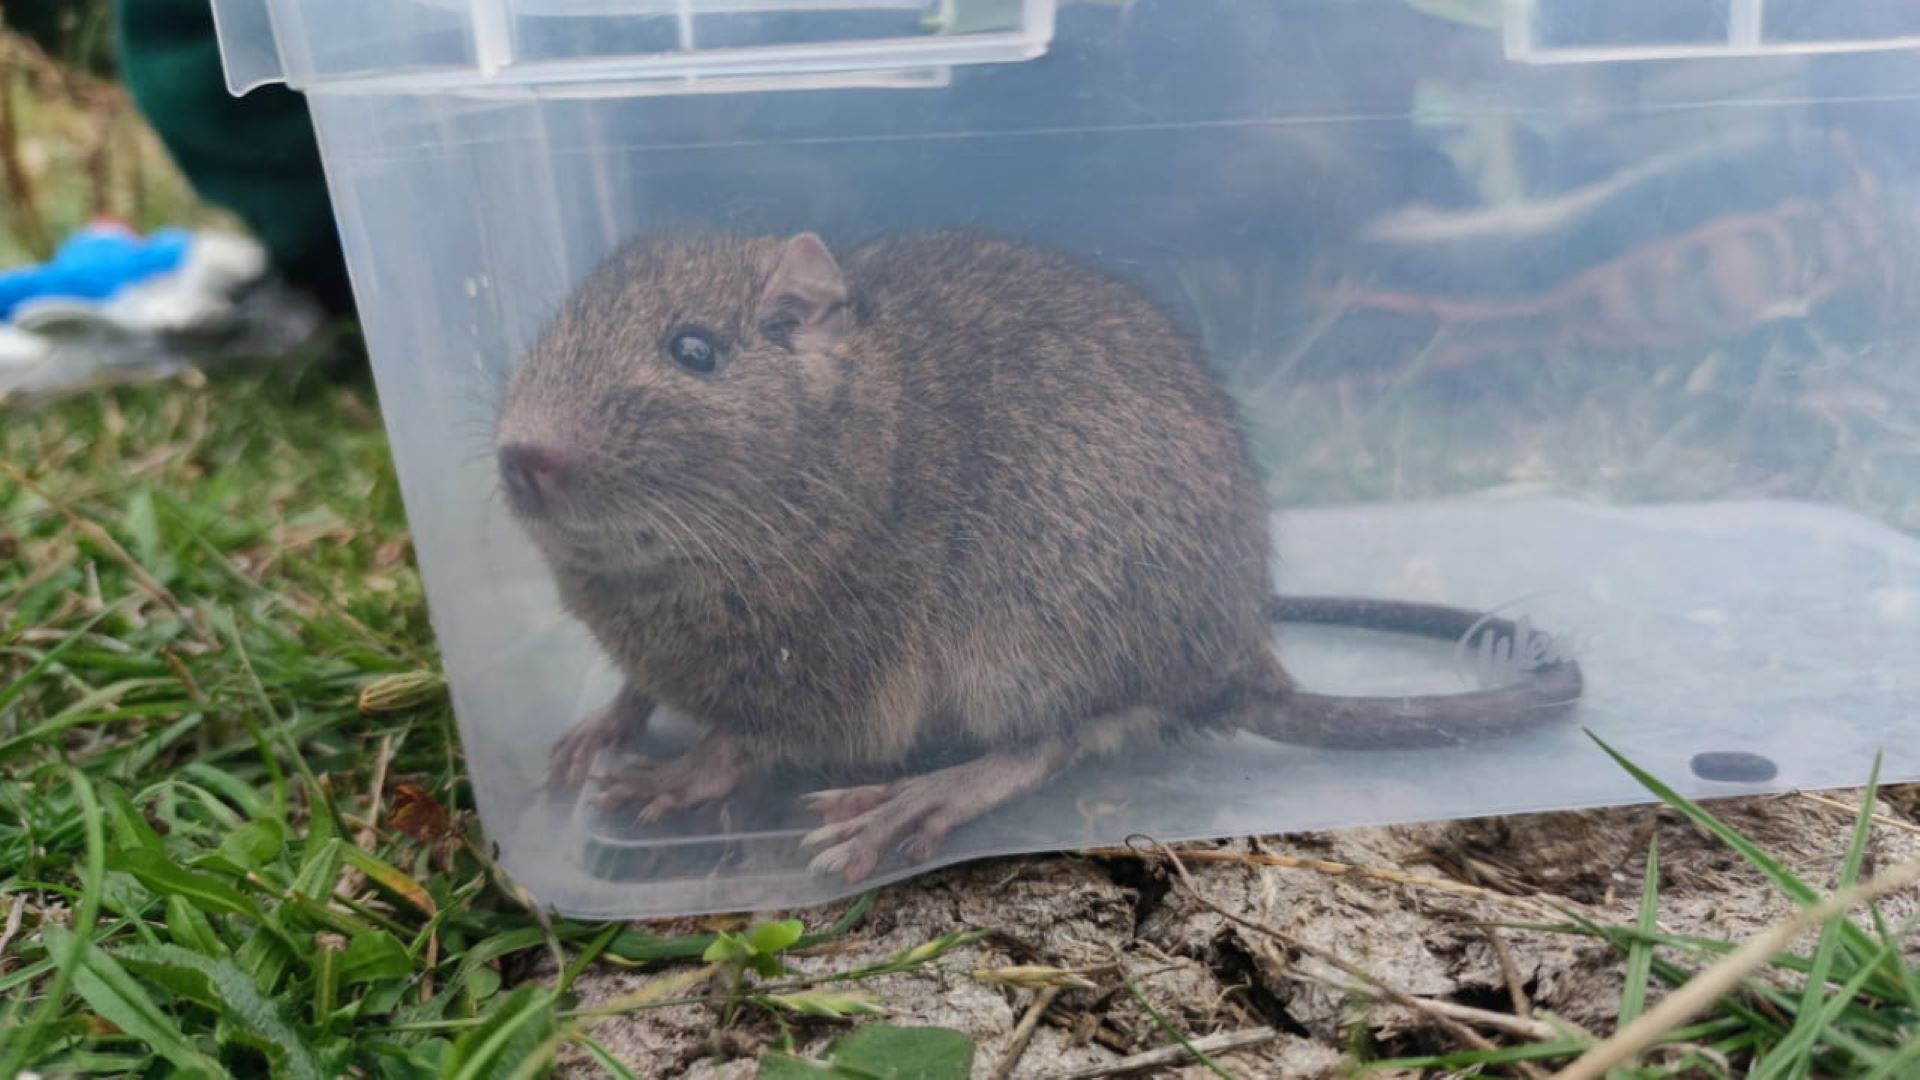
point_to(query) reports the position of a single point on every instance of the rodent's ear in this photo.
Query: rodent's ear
(804, 304)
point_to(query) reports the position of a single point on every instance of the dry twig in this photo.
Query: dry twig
(1516, 989)
(1153, 1060)
(12, 926)
(1023, 1033)
(1853, 811)
(1505, 1023)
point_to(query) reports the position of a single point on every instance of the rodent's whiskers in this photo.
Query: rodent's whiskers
(714, 510)
(827, 485)
(487, 395)
(718, 533)
(811, 568)
(744, 529)
(800, 520)
(480, 431)
(688, 534)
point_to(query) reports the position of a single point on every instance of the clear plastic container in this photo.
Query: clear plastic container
(1594, 314)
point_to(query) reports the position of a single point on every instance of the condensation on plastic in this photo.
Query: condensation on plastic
(1759, 593)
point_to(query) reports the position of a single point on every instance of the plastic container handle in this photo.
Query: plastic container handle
(248, 49)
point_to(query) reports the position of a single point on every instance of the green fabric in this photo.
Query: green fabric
(254, 155)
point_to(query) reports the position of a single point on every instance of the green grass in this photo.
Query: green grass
(200, 586)
(212, 649)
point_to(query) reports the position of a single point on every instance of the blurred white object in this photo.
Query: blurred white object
(218, 303)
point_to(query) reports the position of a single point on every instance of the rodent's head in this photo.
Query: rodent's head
(668, 395)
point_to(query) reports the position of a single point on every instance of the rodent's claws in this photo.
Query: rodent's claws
(919, 847)
(659, 808)
(831, 835)
(640, 780)
(914, 815)
(863, 822)
(844, 804)
(706, 774)
(838, 860)
(571, 761)
(843, 850)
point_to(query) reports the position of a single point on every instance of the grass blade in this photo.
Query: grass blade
(1795, 1052)
(516, 1030)
(389, 878)
(12, 691)
(1466, 1059)
(607, 1061)
(92, 888)
(191, 929)
(82, 711)
(1175, 1033)
(130, 829)
(489, 950)
(1640, 953)
(1906, 978)
(204, 891)
(586, 956)
(241, 1003)
(1903, 1062)
(321, 869)
(1783, 879)
(110, 991)
(374, 955)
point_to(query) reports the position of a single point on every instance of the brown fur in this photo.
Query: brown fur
(950, 490)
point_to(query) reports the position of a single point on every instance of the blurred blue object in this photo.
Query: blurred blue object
(93, 264)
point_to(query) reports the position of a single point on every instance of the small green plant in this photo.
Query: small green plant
(757, 948)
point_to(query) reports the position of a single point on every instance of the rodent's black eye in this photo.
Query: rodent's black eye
(694, 350)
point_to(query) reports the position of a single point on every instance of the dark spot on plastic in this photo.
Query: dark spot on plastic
(1734, 767)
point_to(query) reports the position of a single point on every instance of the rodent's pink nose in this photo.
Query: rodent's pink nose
(532, 474)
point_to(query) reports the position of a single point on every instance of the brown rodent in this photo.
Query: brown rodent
(951, 490)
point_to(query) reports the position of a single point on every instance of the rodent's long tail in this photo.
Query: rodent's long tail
(1546, 685)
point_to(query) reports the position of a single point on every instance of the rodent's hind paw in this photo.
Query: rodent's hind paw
(865, 823)
(913, 816)
(844, 804)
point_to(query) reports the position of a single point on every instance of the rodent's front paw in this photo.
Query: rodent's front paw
(571, 760)
(661, 787)
(623, 719)
(707, 773)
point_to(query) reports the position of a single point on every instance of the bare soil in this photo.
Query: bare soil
(1424, 925)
